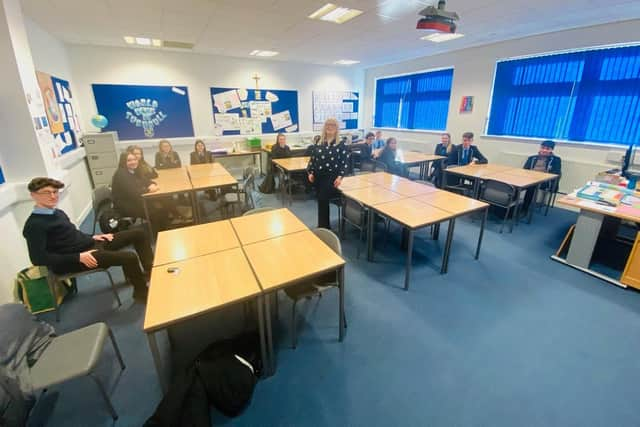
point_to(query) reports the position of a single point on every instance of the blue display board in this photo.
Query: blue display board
(239, 111)
(340, 105)
(139, 112)
(64, 97)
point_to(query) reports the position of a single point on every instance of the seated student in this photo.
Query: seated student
(280, 149)
(544, 161)
(444, 148)
(379, 142)
(53, 241)
(366, 153)
(466, 153)
(166, 158)
(144, 169)
(388, 157)
(200, 154)
(127, 188)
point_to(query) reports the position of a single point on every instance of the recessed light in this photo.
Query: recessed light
(143, 41)
(442, 37)
(263, 53)
(129, 39)
(156, 42)
(333, 13)
(346, 62)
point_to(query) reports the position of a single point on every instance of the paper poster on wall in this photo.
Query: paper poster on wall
(340, 105)
(144, 112)
(51, 107)
(230, 121)
(271, 109)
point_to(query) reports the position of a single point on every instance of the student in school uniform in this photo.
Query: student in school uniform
(327, 166)
(444, 148)
(379, 142)
(55, 242)
(200, 154)
(388, 157)
(166, 158)
(544, 161)
(144, 169)
(127, 188)
(280, 149)
(466, 153)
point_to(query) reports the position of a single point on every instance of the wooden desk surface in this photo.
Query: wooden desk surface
(287, 259)
(530, 173)
(478, 171)
(372, 196)
(203, 182)
(171, 181)
(190, 242)
(408, 188)
(382, 178)
(413, 213)
(200, 285)
(237, 153)
(416, 157)
(292, 163)
(592, 206)
(355, 182)
(206, 169)
(266, 225)
(516, 180)
(451, 202)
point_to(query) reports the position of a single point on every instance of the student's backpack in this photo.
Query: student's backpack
(111, 221)
(268, 185)
(32, 288)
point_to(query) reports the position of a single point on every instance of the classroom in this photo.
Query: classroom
(300, 213)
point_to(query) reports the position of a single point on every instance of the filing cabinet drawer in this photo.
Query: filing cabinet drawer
(102, 160)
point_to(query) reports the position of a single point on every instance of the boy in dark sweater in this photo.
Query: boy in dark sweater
(56, 243)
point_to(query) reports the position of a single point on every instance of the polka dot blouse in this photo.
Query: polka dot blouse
(328, 159)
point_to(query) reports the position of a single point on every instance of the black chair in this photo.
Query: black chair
(503, 195)
(101, 199)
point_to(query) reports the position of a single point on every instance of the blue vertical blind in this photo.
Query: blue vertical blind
(414, 101)
(591, 95)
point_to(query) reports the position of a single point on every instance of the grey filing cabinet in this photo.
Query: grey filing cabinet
(102, 156)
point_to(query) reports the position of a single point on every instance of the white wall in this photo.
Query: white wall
(473, 76)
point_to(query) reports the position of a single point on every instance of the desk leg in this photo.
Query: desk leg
(341, 308)
(146, 214)
(370, 227)
(516, 210)
(195, 207)
(447, 246)
(157, 361)
(263, 347)
(484, 221)
(282, 189)
(584, 238)
(272, 356)
(289, 187)
(476, 187)
(407, 274)
(533, 204)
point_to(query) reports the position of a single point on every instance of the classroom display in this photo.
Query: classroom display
(341, 105)
(239, 111)
(58, 104)
(142, 112)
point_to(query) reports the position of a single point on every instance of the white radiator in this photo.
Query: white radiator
(575, 173)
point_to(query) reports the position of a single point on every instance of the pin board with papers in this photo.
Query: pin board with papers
(340, 105)
(238, 111)
(144, 112)
(60, 112)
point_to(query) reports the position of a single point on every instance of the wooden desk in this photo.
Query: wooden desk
(371, 196)
(198, 286)
(243, 153)
(414, 158)
(206, 169)
(355, 182)
(382, 178)
(306, 257)
(286, 166)
(190, 242)
(266, 225)
(407, 188)
(586, 233)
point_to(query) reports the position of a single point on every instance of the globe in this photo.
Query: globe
(99, 121)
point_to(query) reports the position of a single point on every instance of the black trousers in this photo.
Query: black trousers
(325, 192)
(108, 254)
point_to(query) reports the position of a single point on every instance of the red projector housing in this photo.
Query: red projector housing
(438, 24)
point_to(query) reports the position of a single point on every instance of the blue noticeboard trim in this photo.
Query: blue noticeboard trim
(281, 101)
(2, 180)
(68, 129)
(144, 112)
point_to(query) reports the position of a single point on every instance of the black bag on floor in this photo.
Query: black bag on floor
(268, 185)
(111, 221)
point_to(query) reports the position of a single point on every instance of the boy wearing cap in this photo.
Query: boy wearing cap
(53, 241)
(544, 161)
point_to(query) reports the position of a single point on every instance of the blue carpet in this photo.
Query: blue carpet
(511, 339)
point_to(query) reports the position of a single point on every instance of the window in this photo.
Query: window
(591, 95)
(414, 101)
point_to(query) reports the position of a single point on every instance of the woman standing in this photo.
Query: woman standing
(327, 166)
(200, 154)
(166, 158)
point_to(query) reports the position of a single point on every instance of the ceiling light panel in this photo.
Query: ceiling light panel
(333, 13)
(263, 53)
(442, 37)
(346, 62)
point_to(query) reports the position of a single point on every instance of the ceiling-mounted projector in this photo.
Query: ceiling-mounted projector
(438, 19)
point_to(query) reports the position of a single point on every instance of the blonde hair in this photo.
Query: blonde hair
(323, 135)
(449, 145)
